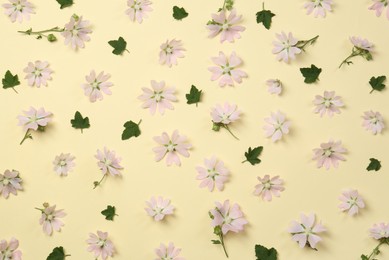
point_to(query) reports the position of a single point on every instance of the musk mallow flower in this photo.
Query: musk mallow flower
(97, 85)
(159, 96)
(51, 218)
(373, 121)
(226, 26)
(171, 148)
(76, 32)
(269, 187)
(159, 207)
(226, 70)
(63, 164)
(9, 250)
(100, 245)
(10, 182)
(226, 218)
(274, 86)
(169, 252)
(223, 116)
(328, 103)
(34, 120)
(38, 73)
(138, 9)
(214, 174)
(379, 6)
(379, 232)
(276, 126)
(287, 47)
(351, 202)
(170, 52)
(108, 163)
(306, 232)
(361, 47)
(18, 10)
(329, 153)
(318, 7)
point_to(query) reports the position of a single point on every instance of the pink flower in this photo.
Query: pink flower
(159, 96)
(38, 73)
(168, 252)
(329, 103)
(286, 47)
(10, 182)
(33, 119)
(100, 245)
(277, 126)
(226, 69)
(306, 232)
(380, 231)
(373, 121)
(76, 32)
(268, 187)
(351, 202)
(63, 164)
(228, 218)
(8, 251)
(171, 147)
(96, 86)
(214, 174)
(159, 208)
(223, 116)
(361, 47)
(108, 162)
(379, 6)
(362, 44)
(138, 9)
(274, 86)
(50, 218)
(227, 26)
(319, 6)
(18, 9)
(329, 153)
(170, 51)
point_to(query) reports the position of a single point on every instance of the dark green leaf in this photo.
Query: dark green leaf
(119, 46)
(130, 129)
(10, 81)
(79, 122)
(263, 253)
(194, 95)
(374, 165)
(65, 3)
(265, 17)
(109, 212)
(377, 83)
(216, 242)
(58, 253)
(229, 4)
(179, 13)
(310, 74)
(252, 155)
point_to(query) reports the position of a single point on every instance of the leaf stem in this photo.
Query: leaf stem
(304, 43)
(222, 243)
(15, 90)
(140, 121)
(26, 136)
(127, 50)
(99, 182)
(41, 33)
(263, 5)
(228, 129)
(353, 54)
(375, 250)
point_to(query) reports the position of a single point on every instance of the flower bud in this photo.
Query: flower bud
(75, 17)
(51, 37)
(215, 127)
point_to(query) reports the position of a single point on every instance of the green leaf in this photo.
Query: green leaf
(109, 212)
(364, 257)
(252, 155)
(65, 3)
(119, 46)
(216, 242)
(79, 122)
(377, 83)
(130, 129)
(229, 4)
(263, 253)
(194, 95)
(10, 81)
(374, 165)
(179, 13)
(265, 17)
(58, 253)
(311, 74)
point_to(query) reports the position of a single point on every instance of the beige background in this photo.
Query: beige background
(134, 234)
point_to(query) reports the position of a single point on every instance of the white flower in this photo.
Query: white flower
(76, 32)
(63, 164)
(18, 9)
(351, 202)
(277, 126)
(159, 208)
(274, 86)
(373, 121)
(320, 7)
(38, 73)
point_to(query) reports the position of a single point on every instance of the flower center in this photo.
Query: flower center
(19, 7)
(171, 147)
(327, 152)
(101, 243)
(327, 103)
(107, 162)
(5, 182)
(62, 163)
(225, 117)
(158, 96)
(50, 217)
(225, 26)
(96, 85)
(169, 50)
(374, 120)
(227, 219)
(166, 258)
(267, 185)
(137, 7)
(212, 173)
(37, 72)
(226, 70)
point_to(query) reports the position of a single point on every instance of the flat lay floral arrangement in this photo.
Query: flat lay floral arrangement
(160, 149)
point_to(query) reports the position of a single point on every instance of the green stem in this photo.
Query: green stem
(140, 121)
(39, 209)
(67, 255)
(304, 43)
(224, 4)
(15, 90)
(41, 33)
(222, 242)
(353, 54)
(228, 129)
(99, 182)
(26, 136)
(375, 250)
(127, 50)
(263, 5)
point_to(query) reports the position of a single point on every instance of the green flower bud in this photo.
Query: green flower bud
(76, 17)
(51, 37)
(216, 126)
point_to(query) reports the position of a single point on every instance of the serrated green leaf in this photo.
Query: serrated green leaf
(265, 17)
(131, 129)
(179, 13)
(263, 253)
(374, 165)
(377, 83)
(311, 74)
(252, 155)
(65, 3)
(119, 46)
(10, 81)
(109, 212)
(194, 95)
(58, 253)
(79, 122)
